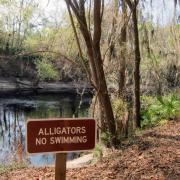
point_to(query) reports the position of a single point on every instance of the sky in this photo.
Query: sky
(52, 7)
(163, 11)
(56, 8)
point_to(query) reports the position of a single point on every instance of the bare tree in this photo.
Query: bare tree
(132, 4)
(95, 70)
(122, 42)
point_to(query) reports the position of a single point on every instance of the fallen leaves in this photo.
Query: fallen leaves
(153, 155)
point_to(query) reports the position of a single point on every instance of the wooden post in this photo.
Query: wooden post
(60, 166)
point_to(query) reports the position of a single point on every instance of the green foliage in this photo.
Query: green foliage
(46, 71)
(4, 2)
(119, 108)
(105, 138)
(121, 111)
(157, 109)
(16, 23)
(168, 106)
(98, 152)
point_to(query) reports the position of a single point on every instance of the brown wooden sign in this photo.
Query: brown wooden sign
(60, 135)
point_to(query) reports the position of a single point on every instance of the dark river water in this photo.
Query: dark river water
(14, 112)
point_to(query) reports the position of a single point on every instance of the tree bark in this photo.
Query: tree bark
(103, 92)
(112, 34)
(95, 58)
(137, 104)
(122, 62)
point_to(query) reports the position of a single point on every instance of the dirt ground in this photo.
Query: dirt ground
(153, 154)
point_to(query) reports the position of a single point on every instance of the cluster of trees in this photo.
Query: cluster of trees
(16, 24)
(112, 44)
(36, 47)
(113, 49)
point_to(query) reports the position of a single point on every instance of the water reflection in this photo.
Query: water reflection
(14, 112)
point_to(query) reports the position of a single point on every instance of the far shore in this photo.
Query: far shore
(15, 86)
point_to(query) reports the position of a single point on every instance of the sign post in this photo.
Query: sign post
(60, 166)
(60, 136)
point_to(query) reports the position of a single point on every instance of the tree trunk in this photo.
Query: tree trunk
(104, 99)
(103, 95)
(94, 56)
(112, 34)
(122, 63)
(137, 105)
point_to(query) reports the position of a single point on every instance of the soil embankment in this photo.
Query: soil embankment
(16, 86)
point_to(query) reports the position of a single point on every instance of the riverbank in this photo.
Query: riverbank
(16, 86)
(152, 154)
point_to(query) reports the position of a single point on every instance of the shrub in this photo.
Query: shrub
(155, 109)
(121, 114)
(119, 108)
(46, 71)
(105, 138)
(98, 152)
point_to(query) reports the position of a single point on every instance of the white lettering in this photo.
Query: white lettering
(41, 132)
(58, 140)
(40, 141)
(83, 130)
(52, 140)
(63, 131)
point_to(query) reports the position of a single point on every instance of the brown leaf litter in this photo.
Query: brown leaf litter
(154, 154)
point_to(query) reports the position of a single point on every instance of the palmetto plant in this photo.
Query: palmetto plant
(168, 106)
(156, 109)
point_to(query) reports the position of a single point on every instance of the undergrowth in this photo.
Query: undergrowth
(98, 151)
(158, 110)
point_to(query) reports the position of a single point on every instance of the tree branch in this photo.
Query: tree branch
(130, 4)
(102, 10)
(89, 17)
(79, 13)
(41, 51)
(75, 10)
(77, 40)
(97, 22)
(76, 4)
